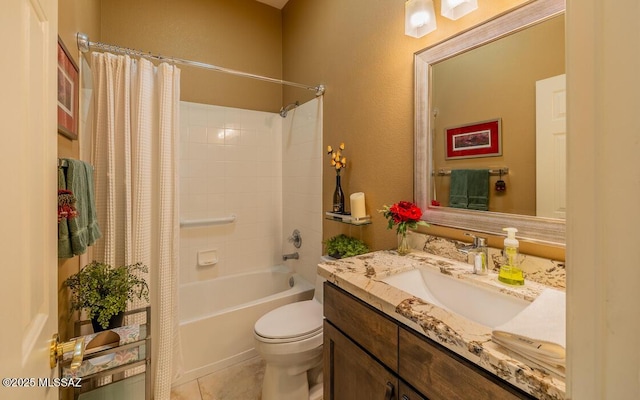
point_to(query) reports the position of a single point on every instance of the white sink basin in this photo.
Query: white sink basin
(481, 305)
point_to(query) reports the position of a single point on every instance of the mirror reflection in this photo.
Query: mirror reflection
(497, 128)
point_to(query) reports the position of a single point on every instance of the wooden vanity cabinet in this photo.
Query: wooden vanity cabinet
(369, 356)
(440, 374)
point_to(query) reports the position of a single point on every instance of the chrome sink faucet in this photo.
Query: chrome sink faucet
(477, 254)
(474, 245)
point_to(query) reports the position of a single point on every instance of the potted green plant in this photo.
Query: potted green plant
(342, 246)
(104, 291)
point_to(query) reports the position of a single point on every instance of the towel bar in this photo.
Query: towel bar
(499, 171)
(191, 223)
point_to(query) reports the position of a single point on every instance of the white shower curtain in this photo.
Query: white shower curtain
(135, 159)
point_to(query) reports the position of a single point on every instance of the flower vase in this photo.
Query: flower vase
(338, 197)
(403, 244)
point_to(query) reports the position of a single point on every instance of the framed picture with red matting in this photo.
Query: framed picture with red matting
(68, 93)
(480, 139)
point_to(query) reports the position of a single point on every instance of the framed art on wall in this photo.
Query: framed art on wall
(480, 139)
(68, 93)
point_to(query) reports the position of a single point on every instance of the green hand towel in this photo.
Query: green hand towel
(83, 230)
(458, 196)
(478, 189)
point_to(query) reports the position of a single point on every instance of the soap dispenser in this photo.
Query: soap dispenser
(479, 257)
(510, 272)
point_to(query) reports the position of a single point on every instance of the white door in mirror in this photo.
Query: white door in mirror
(551, 139)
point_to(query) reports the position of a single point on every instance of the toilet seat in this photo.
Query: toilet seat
(290, 323)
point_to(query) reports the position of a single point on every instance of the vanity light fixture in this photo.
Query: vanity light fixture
(419, 18)
(454, 9)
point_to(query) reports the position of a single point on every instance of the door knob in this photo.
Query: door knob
(58, 349)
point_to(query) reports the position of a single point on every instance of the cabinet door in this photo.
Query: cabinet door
(443, 375)
(351, 374)
(372, 330)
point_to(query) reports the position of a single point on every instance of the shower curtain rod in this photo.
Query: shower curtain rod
(84, 45)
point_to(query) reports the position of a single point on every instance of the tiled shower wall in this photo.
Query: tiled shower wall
(230, 163)
(302, 185)
(264, 169)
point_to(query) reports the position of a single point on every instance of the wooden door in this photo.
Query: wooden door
(28, 105)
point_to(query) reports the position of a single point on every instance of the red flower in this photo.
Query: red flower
(404, 214)
(405, 211)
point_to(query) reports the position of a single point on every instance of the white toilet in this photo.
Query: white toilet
(289, 339)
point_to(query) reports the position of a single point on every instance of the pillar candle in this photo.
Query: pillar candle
(357, 205)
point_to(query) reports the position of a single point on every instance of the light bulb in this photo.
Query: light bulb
(419, 19)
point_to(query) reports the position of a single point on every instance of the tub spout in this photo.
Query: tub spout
(294, 256)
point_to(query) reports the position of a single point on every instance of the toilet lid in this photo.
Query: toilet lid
(291, 321)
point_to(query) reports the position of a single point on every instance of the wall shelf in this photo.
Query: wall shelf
(359, 223)
(347, 219)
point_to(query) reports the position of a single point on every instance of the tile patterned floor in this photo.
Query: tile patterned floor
(238, 382)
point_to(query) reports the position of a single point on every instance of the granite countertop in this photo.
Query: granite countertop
(362, 275)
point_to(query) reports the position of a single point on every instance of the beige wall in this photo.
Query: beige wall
(502, 85)
(603, 322)
(73, 16)
(78, 16)
(244, 35)
(358, 49)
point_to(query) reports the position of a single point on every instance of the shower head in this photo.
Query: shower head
(285, 109)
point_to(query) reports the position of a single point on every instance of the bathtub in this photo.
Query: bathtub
(217, 316)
